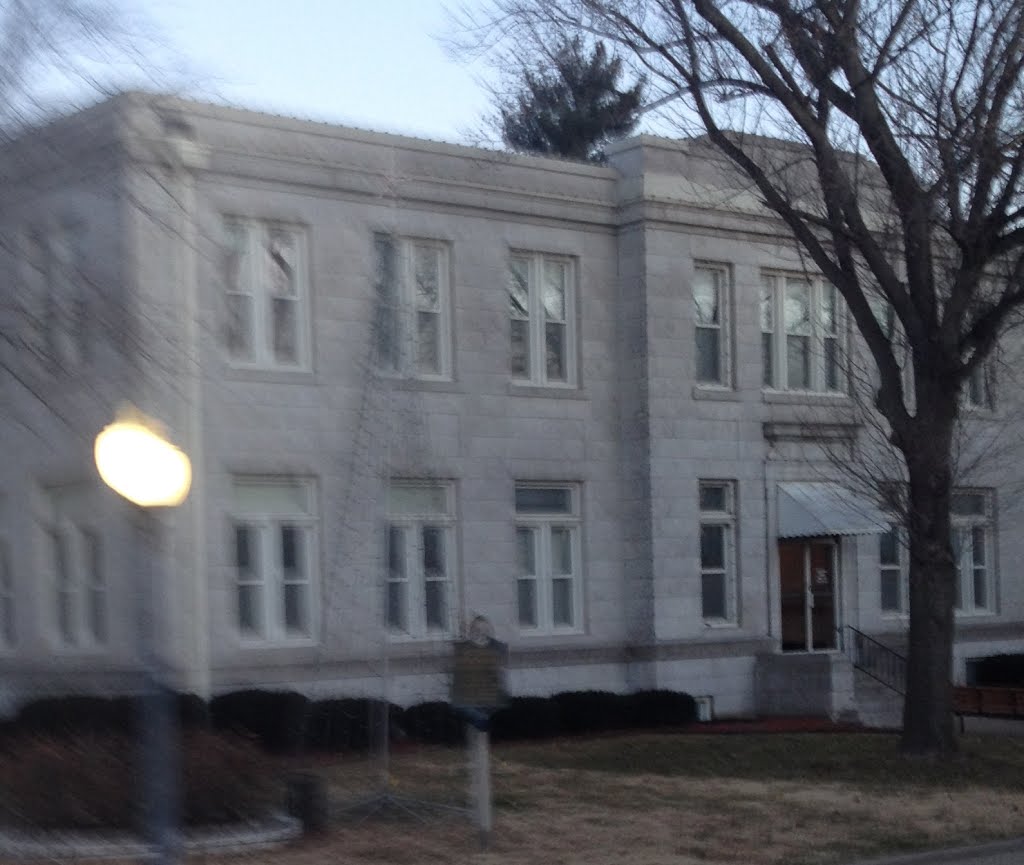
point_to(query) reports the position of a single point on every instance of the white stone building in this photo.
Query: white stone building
(586, 402)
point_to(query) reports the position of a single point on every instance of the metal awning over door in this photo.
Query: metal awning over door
(818, 509)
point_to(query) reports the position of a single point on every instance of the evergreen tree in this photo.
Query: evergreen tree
(570, 106)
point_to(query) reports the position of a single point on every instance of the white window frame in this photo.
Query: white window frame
(57, 296)
(719, 519)
(541, 525)
(979, 388)
(398, 308)
(407, 526)
(265, 573)
(77, 573)
(533, 313)
(253, 281)
(8, 622)
(721, 280)
(972, 560)
(776, 335)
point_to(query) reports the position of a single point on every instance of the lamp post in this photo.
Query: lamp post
(135, 459)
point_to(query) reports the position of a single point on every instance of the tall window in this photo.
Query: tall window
(978, 390)
(541, 310)
(266, 293)
(972, 551)
(420, 558)
(548, 582)
(273, 525)
(892, 581)
(57, 296)
(717, 551)
(801, 334)
(413, 307)
(75, 562)
(711, 316)
(7, 634)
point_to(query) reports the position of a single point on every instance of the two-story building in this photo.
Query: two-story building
(418, 382)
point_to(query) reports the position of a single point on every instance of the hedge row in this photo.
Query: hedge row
(287, 722)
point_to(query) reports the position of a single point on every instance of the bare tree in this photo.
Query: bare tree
(904, 182)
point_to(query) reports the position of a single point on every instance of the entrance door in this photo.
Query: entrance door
(807, 574)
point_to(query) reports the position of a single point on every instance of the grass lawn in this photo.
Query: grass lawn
(655, 799)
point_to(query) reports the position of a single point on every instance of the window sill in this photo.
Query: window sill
(804, 397)
(546, 390)
(270, 375)
(721, 624)
(715, 392)
(431, 385)
(548, 633)
(282, 643)
(433, 637)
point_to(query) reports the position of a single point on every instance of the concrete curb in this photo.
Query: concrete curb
(955, 855)
(222, 840)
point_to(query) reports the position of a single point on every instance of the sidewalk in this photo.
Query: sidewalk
(997, 853)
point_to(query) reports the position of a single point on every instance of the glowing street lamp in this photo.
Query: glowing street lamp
(137, 462)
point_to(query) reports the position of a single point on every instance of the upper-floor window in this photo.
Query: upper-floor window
(56, 301)
(891, 572)
(413, 315)
(273, 522)
(420, 558)
(549, 593)
(542, 319)
(802, 334)
(978, 389)
(711, 302)
(75, 567)
(266, 287)
(717, 551)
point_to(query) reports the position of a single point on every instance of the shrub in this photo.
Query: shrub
(660, 708)
(1005, 670)
(349, 724)
(591, 711)
(92, 781)
(526, 718)
(76, 715)
(435, 723)
(276, 718)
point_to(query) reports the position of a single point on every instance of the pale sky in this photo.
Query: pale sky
(375, 64)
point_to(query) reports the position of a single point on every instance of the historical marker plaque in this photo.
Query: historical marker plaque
(478, 680)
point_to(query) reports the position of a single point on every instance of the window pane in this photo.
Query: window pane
(271, 498)
(554, 338)
(714, 497)
(832, 381)
(286, 330)
(798, 362)
(978, 545)
(959, 542)
(968, 504)
(386, 317)
(712, 596)
(243, 550)
(7, 623)
(427, 276)
(561, 551)
(543, 500)
(97, 615)
(417, 500)
(281, 259)
(296, 615)
(250, 615)
(519, 288)
(768, 304)
(233, 253)
(519, 363)
(888, 548)
(706, 297)
(65, 616)
(433, 553)
(554, 290)
(767, 360)
(709, 367)
(291, 553)
(797, 307)
(435, 595)
(526, 593)
(712, 546)
(428, 342)
(396, 553)
(829, 310)
(525, 540)
(980, 588)
(396, 606)
(892, 601)
(239, 326)
(561, 602)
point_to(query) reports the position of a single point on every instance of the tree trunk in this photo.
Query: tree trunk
(928, 709)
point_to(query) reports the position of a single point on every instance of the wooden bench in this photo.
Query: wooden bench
(990, 701)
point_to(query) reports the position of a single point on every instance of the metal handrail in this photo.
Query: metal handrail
(877, 660)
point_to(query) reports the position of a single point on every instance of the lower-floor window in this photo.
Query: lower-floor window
(420, 558)
(274, 558)
(717, 551)
(891, 572)
(75, 564)
(548, 590)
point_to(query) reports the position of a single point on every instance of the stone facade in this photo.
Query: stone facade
(146, 192)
